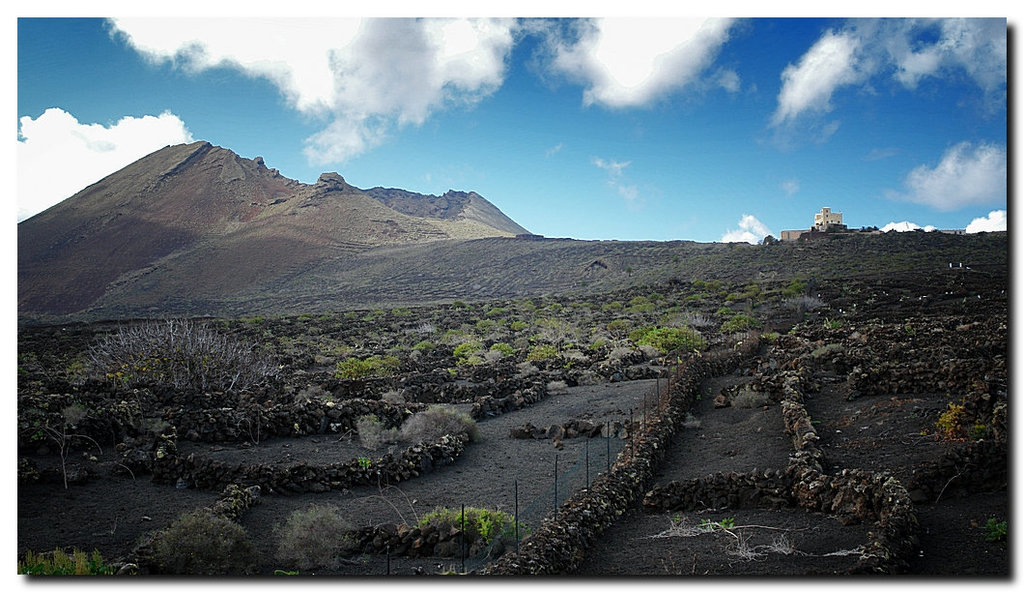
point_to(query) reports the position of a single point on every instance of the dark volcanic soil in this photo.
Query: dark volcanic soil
(886, 358)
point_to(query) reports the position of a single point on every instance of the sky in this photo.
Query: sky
(655, 127)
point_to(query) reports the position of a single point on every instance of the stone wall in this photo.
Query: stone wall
(559, 544)
(207, 473)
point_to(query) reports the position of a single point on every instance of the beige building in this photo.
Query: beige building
(826, 218)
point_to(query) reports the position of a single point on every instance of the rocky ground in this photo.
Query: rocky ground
(905, 376)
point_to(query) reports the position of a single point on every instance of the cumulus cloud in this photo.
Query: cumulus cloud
(83, 153)
(751, 230)
(833, 61)
(790, 186)
(365, 78)
(966, 175)
(906, 226)
(628, 62)
(994, 222)
(910, 50)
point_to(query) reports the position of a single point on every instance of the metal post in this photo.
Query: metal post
(608, 448)
(556, 485)
(586, 450)
(388, 568)
(515, 485)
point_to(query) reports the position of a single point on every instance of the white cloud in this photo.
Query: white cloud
(614, 168)
(994, 222)
(906, 226)
(911, 49)
(808, 86)
(751, 230)
(790, 186)
(365, 77)
(977, 46)
(58, 156)
(628, 62)
(967, 175)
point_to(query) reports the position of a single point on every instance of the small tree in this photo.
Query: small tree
(62, 435)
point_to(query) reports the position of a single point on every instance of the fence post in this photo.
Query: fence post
(555, 508)
(586, 450)
(388, 568)
(608, 447)
(515, 485)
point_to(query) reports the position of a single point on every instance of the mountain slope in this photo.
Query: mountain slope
(198, 221)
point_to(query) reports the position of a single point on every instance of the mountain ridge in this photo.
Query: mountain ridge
(199, 219)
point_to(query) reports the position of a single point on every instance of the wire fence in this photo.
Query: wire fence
(572, 472)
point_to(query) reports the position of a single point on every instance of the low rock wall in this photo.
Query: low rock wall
(559, 544)
(208, 473)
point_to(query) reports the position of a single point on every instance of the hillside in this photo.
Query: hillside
(199, 222)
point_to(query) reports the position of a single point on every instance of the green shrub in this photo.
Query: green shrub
(485, 325)
(315, 537)
(497, 311)
(379, 366)
(539, 353)
(951, 422)
(59, 563)
(436, 421)
(424, 345)
(740, 322)
(670, 339)
(517, 326)
(995, 531)
(618, 326)
(204, 544)
(480, 523)
(504, 348)
(467, 348)
(794, 288)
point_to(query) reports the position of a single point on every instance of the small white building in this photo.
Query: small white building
(826, 218)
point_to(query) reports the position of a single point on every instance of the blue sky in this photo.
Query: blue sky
(654, 128)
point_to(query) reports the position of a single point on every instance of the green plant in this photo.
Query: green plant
(467, 348)
(995, 531)
(670, 339)
(539, 353)
(794, 288)
(724, 524)
(206, 544)
(480, 523)
(950, 422)
(438, 420)
(364, 462)
(315, 537)
(740, 322)
(517, 326)
(353, 368)
(504, 348)
(424, 345)
(59, 563)
(833, 324)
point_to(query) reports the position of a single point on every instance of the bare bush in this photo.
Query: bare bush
(202, 543)
(748, 399)
(436, 421)
(373, 434)
(181, 354)
(316, 537)
(804, 303)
